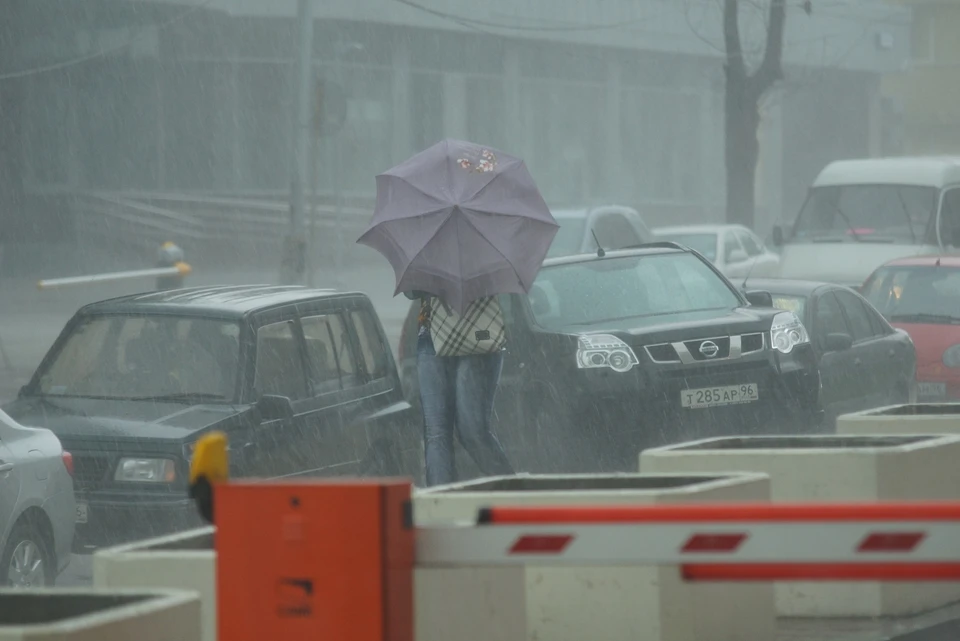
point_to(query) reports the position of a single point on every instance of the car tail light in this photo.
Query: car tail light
(68, 462)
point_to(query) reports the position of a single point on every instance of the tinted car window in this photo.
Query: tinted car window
(900, 212)
(916, 293)
(856, 315)
(828, 319)
(569, 237)
(372, 349)
(706, 244)
(122, 357)
(652, 286)
(750, 244)
(331, 363)
(615, 232)
(730, 244)
(279, 369)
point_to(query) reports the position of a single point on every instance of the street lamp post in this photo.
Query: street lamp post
(293, 265)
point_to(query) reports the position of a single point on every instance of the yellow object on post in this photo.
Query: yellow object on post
(209, 465)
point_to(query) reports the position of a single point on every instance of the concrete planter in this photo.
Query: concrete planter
(916, 418)
(97, 615)
(574, 603)
(835, 468)
(183, 561)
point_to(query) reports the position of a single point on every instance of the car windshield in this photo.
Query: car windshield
(706, 244)
(141, 358)
(790, 303)
(620, 288)
(921, 294)
(569, 237)
(872, 213)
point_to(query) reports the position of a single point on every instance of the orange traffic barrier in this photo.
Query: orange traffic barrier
(315, 559)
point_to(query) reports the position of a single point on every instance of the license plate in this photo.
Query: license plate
(932, 390)
(716, 396)
(81, 512)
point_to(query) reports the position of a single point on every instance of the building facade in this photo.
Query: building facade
(607, 100)
(927, 92)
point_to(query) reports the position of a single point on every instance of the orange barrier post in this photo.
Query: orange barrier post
(323, 559)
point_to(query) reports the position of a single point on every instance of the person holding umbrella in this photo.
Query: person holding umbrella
(460, 224)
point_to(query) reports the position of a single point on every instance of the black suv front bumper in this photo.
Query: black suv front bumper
(642, 408)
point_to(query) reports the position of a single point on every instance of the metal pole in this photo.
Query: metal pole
(292, 267)
(314, 179)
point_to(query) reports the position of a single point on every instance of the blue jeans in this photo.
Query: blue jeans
(456, 393)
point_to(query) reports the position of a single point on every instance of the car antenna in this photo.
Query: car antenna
(600, 252)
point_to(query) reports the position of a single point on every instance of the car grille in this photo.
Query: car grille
(712, 373)
(90, 470)
(707, 350)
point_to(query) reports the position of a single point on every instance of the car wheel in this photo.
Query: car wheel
(27, 561)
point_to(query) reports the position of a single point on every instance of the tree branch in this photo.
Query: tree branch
(735, 64)
(770, 69)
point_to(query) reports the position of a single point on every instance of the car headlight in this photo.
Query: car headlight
(604, 350)
(787, 332)
(951, 356)
(146, 470)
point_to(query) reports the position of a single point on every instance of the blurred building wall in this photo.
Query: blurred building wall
(927, 92)
(630, 114)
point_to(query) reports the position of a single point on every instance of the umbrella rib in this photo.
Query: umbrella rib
(495, 248)
(442, 205)
(420, 251)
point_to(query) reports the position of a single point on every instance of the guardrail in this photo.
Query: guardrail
(144, 219)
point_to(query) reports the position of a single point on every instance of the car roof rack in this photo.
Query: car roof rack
(663, 244)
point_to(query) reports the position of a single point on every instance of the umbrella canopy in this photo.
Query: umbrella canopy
(461, 221)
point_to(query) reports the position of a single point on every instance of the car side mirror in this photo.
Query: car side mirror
(838, 342)
(759, 298)
(274, 408)
(777, 236)
(737, 256)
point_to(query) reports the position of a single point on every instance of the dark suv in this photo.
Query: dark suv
(302, 381)
(613, 353)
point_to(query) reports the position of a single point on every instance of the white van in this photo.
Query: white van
(861, 213)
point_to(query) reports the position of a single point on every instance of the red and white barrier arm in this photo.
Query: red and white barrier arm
(180, 269)
(718, 542)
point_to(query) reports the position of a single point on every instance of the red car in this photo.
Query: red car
(921, 295)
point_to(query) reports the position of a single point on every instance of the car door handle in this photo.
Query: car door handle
(5, 467)
(892, 353)
(857, 361)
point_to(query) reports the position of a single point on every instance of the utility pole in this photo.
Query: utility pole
(293, 264)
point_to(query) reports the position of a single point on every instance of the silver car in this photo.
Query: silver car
(37, 509)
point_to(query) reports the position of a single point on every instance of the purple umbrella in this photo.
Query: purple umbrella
(461, 221)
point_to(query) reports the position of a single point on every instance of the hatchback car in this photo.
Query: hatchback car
(734, 249)
(302, 381)
(864, 361)
(37, 507)
(637, 348)
(921, 295)
(613, 226)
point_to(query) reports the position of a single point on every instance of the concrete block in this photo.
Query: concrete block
(573, 603)
(99, 615)
(852, 468)
(183, 561)
(915, 418)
